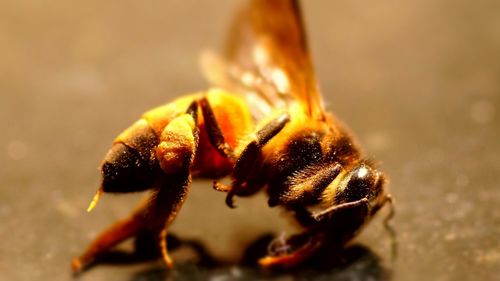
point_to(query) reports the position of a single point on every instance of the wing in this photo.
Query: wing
(267, 58)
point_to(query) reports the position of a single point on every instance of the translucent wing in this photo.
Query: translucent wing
(267, 58)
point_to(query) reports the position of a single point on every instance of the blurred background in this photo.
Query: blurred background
(417, 81)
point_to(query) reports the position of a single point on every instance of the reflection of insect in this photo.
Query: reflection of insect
(276, 136)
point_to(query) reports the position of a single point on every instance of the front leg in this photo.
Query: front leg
(303, 246)
(292, 251)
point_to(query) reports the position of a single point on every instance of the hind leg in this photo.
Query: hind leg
(175, 154)
(112, 236)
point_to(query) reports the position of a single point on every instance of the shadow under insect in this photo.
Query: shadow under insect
(333, 262)
(356, 262)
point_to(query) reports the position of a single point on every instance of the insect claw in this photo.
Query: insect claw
(230, 193)
(388, 227)
(163, 247)
(94, 201)
(286, 256)
(229, 200)
(392, 211)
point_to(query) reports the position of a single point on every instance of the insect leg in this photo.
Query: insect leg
(246, 161)
(153, 215)
(308, 245)
(213, 130)
(178, 142)
(176, 151)
(247, 158)
(309, 242)
(166, 206)
(175, 154)
(388, 227)
(111, 237)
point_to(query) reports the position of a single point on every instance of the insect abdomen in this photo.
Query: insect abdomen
(130, 165)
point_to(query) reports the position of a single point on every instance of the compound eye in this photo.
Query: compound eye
(356, 185)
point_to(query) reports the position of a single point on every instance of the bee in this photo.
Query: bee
(265, 127)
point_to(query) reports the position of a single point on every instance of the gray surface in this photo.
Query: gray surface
(418, 81)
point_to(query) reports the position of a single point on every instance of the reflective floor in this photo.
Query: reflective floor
(417, 81)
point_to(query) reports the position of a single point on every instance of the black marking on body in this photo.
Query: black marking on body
(143, 140)
(306, 187)
(342, 150)
(131, 165)
(301, 151)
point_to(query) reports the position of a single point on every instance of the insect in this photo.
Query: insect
(265, 127)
